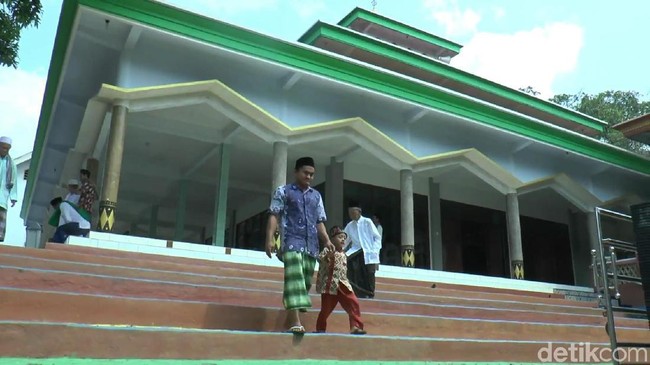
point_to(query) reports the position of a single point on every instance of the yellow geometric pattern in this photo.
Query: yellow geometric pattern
(518, 271)
(276, 241)
(106, 215)
(408, 256)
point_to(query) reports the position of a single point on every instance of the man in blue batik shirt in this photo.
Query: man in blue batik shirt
(297, 210)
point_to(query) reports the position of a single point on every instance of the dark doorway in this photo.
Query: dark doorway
(474, 248)
(547, 251)
(474, 240)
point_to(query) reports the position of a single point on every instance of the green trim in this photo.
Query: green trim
(167, 18)
(369, 44)
(61, 43)
(72, 361)
(359, 13)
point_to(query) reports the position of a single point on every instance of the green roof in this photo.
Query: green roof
(385, 49)
(359, 13)
(170, 19)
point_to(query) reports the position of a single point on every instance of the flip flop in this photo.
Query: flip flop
(296, 330)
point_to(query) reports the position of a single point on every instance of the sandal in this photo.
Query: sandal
(296, 330)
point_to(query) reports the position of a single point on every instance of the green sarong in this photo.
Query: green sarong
(298, 272)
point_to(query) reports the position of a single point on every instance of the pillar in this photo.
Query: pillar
(514, 236)
(153, 222)
(435, 226)
(407, 221)
(279, 173)
(221, 202)
(180, 211)
(111, 182)
(33, 231)
(279, 169)
(334, 192)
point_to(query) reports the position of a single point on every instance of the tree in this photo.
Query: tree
(529, 90)
(16, 15)
(612, 107)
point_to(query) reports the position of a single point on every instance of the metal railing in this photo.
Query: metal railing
(609, 272)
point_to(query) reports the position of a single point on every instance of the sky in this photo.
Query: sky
(555, 46)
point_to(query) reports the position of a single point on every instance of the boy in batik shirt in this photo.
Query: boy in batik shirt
(334, 286)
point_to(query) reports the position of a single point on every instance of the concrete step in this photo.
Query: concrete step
(143, 261)
(23, 305)
(41, 270)
(47, 340)
(120, 285)
(221, 254)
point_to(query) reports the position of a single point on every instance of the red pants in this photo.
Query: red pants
(349, 303)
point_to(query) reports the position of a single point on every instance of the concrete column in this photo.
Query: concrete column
(221, 202)
(435, 226)
(279, 170)
(514, 236)
(334, 192)
(112, 170)
(180, 211)
(33, 235)
(407, 219)
(153, 222)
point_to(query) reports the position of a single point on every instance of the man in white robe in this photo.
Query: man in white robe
(8, 184)
(362, 247)
(73, 192)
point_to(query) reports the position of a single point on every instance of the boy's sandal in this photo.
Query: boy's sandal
(358, 331)
(296, 329)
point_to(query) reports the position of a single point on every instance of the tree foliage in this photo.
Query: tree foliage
(612, 107)
(16, 15)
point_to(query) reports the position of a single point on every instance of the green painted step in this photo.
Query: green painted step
(71, 361)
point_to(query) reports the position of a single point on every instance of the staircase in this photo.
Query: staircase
(69, 302)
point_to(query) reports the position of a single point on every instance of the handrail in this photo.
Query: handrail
(594, 266)
(603, 267)
(623, 245)
(612, 254)
(613, 214)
